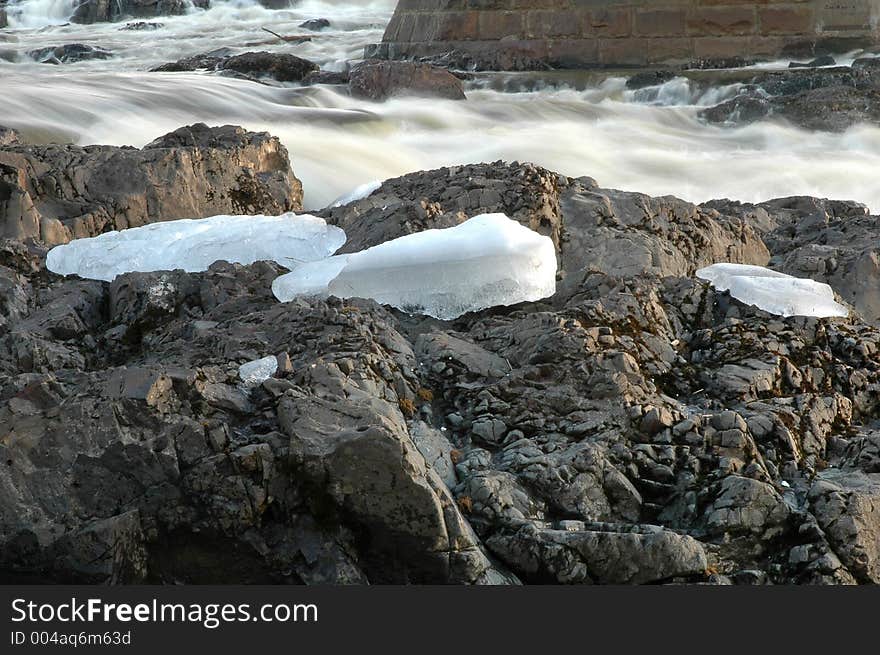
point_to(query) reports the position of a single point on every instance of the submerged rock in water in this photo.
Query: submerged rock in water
(193, 245)
(487, 261)
(194, 171)
(315, 24)
(818, 62)
(68, 54)
(102, 11)
(774, 292)
(141, 26)
(828, 98)
(380, 80)
(277, 66)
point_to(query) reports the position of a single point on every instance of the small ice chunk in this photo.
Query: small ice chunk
(772, 291)
(258, 371)
(358, 193)
(195, 244)
(487, 261)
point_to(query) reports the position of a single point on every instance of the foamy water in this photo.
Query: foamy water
(648, 140)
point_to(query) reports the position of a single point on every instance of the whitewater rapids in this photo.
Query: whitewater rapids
(649, 141)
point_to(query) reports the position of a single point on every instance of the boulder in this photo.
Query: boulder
(380, 80)
(847, 507)
(70, 53)
(277, 66)
(315, 24)
(59, 192)
(580, 555)
(828, 99)
(256, 66)
(102, 11)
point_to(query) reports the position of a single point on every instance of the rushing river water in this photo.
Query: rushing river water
(649, 141)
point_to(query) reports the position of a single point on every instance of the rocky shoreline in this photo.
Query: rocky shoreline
(637, 427)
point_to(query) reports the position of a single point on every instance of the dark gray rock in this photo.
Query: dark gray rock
(649, 78)
(101, 11)
(829, 99)
(638, 427)
(141, 26)
(326, 77)
(70, 53)
(818, 62)
(277, 66)
(315, 24)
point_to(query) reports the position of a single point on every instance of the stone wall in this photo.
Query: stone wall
(510, 34)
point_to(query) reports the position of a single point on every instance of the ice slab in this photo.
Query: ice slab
(358, 193)
(772, 291)
(195, 244)
(487, 261)
(258, 371)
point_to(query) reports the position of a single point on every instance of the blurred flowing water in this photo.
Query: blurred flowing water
(575, 123)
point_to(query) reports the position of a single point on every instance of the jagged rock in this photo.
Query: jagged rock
(100, 11)
(824, 60)
(56, 192)
(70, 53)
(205, 61)
(649, 78)
(357, 452)
(326, 77)
(141, 26)
(847, 507)
(7, 137)
(743, 504)
(638, 427)
(315, 24)
(380, 80)
(603, 556)
(830, 99)
(825, 240)
(278, 66)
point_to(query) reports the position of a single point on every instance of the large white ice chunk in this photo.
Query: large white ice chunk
(258, 371)
(772, 291)
(358, 193)
(487, 261)
(195, 244)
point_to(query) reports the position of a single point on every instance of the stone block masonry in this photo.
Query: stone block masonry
(517, 34)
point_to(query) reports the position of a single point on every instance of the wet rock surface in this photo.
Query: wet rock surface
(257, 66)
(58, 192)
(380, 80)
(102, 11)
(67, 54)
(830, 99)
(637, 427)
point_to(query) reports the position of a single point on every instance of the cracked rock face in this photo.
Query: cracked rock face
(56, 193)
(637, 427)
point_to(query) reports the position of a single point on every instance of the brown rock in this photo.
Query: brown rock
(58, 192)
(380, 80)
